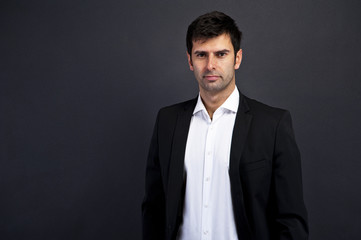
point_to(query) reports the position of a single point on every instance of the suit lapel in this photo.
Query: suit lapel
(176, 179)
(240, 132)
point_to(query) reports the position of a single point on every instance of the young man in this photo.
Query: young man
(222, 166)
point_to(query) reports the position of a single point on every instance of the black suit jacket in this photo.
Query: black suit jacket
(265, 174)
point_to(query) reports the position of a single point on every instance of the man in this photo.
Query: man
(222, 166)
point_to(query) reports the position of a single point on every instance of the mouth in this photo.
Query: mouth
(211, 77)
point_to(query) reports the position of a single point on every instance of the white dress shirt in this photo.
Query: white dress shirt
(208, 212)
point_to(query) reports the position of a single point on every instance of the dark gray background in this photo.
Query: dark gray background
(81, 83)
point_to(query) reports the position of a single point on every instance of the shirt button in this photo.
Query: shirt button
(206, 206)
(207, 179)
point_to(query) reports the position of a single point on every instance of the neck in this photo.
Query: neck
(213, 100)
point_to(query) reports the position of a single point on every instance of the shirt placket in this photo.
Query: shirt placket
(208, 165)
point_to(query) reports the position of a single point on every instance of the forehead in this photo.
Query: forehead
(217, 43)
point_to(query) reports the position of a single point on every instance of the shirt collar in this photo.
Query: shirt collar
(230, 104)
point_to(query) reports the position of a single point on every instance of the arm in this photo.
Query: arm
(291, 215)
(153, 207)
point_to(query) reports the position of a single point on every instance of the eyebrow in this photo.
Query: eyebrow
(220, 51)
(199, 52)
(223, 51)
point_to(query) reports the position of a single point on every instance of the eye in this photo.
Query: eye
(200, 55)
(221, 54)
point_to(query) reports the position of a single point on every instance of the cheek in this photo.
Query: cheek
(197, 68)
(231, 66)
(197, 72)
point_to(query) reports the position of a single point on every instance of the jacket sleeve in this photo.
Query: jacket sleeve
(153, 206)
(290, 211)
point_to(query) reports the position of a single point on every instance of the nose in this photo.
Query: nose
(211, 63)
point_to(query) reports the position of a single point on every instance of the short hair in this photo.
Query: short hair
(211, 25)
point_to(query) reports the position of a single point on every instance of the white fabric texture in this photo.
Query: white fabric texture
(208, 211)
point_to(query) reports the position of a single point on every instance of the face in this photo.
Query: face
(214, 63)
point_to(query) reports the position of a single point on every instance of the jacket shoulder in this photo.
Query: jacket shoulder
(265, 112)
(174, 109)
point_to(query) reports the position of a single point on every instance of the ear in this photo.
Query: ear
(238, 59)
(190, 62)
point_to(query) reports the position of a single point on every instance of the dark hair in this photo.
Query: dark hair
(212, 25)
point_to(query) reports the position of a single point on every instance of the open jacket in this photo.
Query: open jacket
(265, 174)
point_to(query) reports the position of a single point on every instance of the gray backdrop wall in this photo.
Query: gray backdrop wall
(81, 83)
